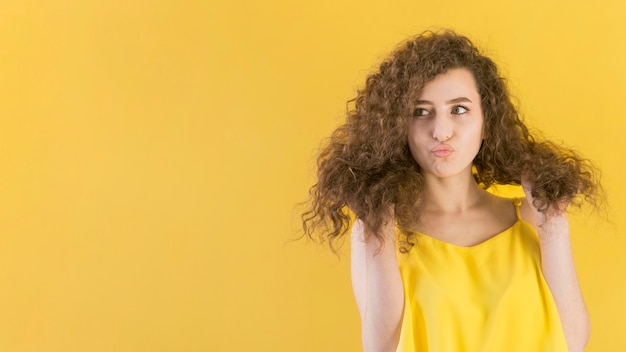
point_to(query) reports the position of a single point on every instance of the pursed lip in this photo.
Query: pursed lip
(442, 150)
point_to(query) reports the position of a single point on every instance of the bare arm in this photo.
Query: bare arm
(558, 268)
(557, 264)
(377, 288)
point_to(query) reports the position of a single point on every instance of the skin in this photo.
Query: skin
(448, 107)
(557, 264)
(444, 137)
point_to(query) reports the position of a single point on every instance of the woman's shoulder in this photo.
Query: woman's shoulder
(503, 207)
(513, 209)
(521, 205)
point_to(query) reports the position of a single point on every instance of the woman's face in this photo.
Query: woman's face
(447, 125)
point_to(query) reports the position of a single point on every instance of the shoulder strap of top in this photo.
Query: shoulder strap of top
(517, 204)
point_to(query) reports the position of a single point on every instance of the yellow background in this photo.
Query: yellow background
(152, 153)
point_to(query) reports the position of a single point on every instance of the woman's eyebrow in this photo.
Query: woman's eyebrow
(452, 101)
(459, 100)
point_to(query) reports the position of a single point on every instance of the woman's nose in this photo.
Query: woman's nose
(442, 129)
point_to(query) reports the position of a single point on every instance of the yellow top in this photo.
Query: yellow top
(487, 297)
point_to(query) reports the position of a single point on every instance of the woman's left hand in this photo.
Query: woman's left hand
(553, 220)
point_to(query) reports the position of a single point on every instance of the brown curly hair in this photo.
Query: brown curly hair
(367, 167)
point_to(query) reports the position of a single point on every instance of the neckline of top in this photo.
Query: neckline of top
(518, 222)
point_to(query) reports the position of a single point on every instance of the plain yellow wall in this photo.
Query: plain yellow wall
(152, 153)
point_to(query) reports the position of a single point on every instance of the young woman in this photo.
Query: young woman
(438, 262)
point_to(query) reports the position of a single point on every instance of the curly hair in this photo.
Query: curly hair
(367, 168)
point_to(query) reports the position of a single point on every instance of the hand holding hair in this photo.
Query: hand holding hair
(553, 216)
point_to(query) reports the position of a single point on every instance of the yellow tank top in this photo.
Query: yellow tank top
(488, 297)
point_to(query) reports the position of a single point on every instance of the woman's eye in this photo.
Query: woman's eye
(458, 110)
(420, 112)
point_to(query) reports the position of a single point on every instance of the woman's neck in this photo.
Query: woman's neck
(455, 194)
